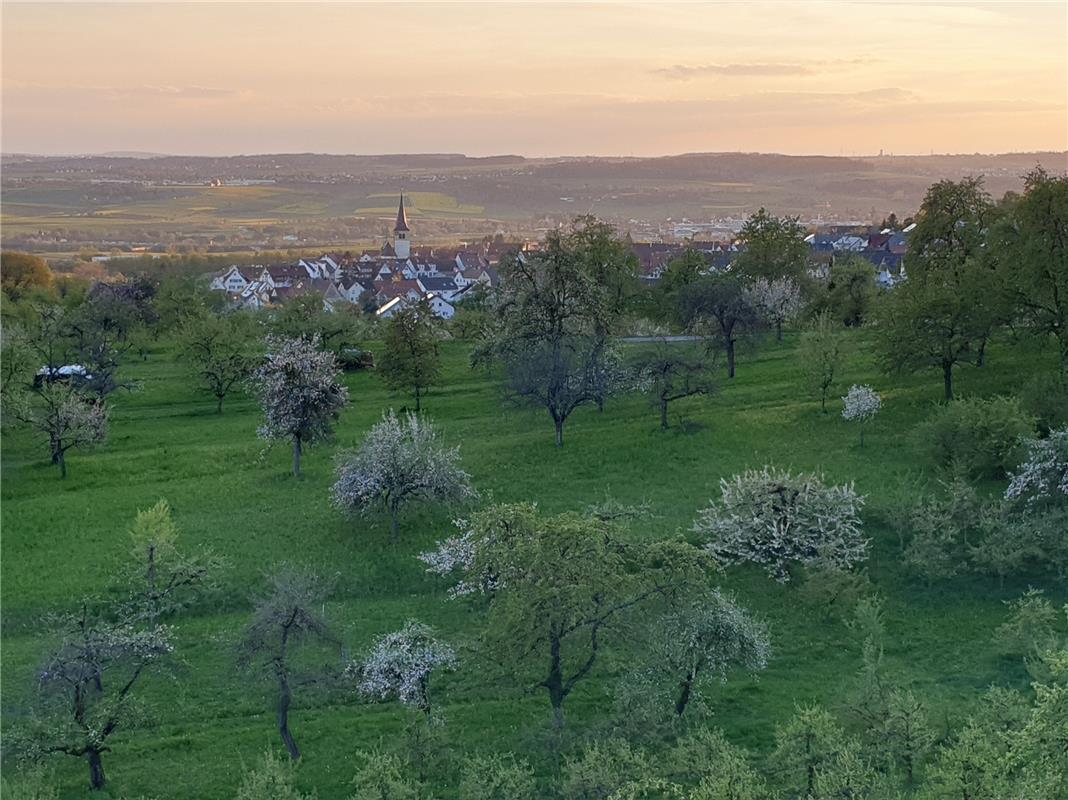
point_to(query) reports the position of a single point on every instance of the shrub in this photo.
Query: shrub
(1046, 398)
(272, 778)
(603, 769)
(497, 777)
(978, 436)
(776, 519)
(383, 777)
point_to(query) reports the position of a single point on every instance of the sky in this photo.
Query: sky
(535, 79)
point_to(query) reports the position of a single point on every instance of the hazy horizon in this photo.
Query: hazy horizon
(540, 80)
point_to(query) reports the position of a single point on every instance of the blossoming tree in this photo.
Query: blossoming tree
(862, 403)
(400, 460)
(298, 387)
(776, 519)
(400, 665)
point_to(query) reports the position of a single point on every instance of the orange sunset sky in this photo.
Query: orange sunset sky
(535, 79)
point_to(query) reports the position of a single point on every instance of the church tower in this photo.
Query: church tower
(401, 244)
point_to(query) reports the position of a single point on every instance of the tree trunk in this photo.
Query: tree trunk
(417, 399)
(663, 414)
(559, 423)
(778, 329)
(947, 379)
(393, 526)
(285, 697)
(97, 778)
(555, 684)
(296, 456)
(59, 457)
(684, 696)
(823, 400)
(218, 406)
(730, 358)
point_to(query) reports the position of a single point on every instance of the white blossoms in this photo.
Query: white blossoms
(1044, 474)
(862, 403)
(400, 664)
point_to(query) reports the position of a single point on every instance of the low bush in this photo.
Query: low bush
(977, 436)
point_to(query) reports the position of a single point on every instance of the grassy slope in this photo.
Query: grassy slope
(62, 540)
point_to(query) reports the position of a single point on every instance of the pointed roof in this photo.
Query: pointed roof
(402, 218)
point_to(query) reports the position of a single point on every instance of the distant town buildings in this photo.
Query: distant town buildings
(398, 274)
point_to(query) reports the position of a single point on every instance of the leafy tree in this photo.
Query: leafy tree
(908, 735)
(557, 586)
(602, 769)
(774, 247)
(285, 619)
(497, 777)
(398, 462)
(219, 352)
(273, 778)
(400, 665)
(411, 359)
(384, 776)
(88, 684)
(61, 416)
(165, 579)
(822, 352)
(298, 388)
(721, 770)
(181, 300)
(774, 519)
(851, 289)
(21, 273)
(701, 642)
(682, 270)
(847, 775)
(554, 313)
(1030, 245)
(861, 404)
(778, 300)
(943, 314)
(719, 307)
(305, 318)
(805, 745)
(669, 372)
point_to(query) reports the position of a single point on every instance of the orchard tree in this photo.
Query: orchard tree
(776, 519)
(862, 403)
(400, 461)
(89, 682)
(411, 359)
(670, 372)
(777, 300)
(701, 642)
(22, 273)
(908, 735)
(299, 390)
(807, 744)
(943, 314)
(557, 587)
(774, 247)
(400, 666)
(306, 318)
(1030, 246)
(851, 289)
(285, 620)
(822, 352)
(62, 416)
(219, 351)
(554, 313)
(1043, 473)
(718, 306)
(164, 578)
(682, 270)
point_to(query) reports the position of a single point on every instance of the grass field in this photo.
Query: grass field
(62, 541)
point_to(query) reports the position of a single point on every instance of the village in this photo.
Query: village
(399, 275)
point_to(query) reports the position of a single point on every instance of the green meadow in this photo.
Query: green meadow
(206, 721)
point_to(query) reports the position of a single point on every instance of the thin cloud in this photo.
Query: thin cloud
(684, 72)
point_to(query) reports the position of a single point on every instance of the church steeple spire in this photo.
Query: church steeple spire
(402, 218)
(401, 246)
